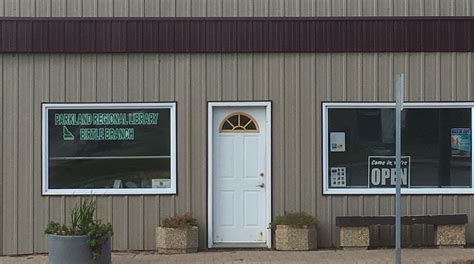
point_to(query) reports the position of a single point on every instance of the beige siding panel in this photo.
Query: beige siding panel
(136, 8)
(89, 8)
(104, 77)
(183, 96)
(58, 8)
(231, 8)
(260, 8)
(168, 7)
(183, 9)
(135, 77)
(74, 8)
(11, 8)
(105, 8)
(150, 203)
(213, 76)
(214, 8)
(198, 139)
(88, 80)
(27, 8)
(229, 77)
(135, 209)
(121, 8)
(40, 204)
(42, 8)
(462, 77)
(296, 84)
(198, 8)
(11, 153)
(120, 222)
(25, 150)
(152, 8)
(73, 78)
(245, 77)
(277, 95)
(277, 8)
(260, 81)
(290, 132)
(306, 142)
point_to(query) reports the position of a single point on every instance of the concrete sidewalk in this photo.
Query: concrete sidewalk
(451, 256)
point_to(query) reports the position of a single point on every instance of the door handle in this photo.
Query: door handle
(261, 185)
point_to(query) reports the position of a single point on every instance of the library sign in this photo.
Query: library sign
(104, 125)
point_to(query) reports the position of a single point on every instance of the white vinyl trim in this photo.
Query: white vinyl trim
(107, 191)
(413, 190)
(268, 215)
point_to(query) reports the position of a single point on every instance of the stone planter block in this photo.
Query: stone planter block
(74, 250)
(353, 237)
(450, 235)
(176, 241)
(292, 238)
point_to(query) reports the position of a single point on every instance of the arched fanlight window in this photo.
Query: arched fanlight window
(239, 123)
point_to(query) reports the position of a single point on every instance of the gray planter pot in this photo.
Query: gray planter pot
(74, 250)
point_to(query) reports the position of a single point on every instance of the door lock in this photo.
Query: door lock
(261, 185)
(262, 174)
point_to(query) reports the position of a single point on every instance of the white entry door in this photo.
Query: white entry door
(239, 176)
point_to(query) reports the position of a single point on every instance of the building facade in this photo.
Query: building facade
(284, 67)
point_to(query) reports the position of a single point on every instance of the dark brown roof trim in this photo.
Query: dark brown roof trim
(242, 34)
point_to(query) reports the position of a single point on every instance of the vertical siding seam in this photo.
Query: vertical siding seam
(298, 132)
(454, 82)
(32, 209)
(16, 203)
(1, 159)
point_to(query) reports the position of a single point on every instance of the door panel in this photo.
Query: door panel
(239, 168)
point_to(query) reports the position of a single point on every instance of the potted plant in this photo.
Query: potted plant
(295, 231)
(177, 235)
(85, 240)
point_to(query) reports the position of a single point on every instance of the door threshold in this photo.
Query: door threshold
(240, 245)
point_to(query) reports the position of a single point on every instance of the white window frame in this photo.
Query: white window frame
(424, 105)
(107, 191)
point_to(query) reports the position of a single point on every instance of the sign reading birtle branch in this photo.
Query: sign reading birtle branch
(382, 171)
(104, 126)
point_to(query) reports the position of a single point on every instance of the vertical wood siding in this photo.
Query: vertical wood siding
(296, 84)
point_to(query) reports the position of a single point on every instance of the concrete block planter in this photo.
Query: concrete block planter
(177, 240)
(295, 238)
(74, 250)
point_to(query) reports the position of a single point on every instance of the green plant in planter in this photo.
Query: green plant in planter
(83, 223)
(181, 221)
(298, 220)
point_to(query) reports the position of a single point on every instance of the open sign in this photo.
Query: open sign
(382, 171)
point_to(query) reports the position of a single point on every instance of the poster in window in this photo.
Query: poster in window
(382, 171)
(461, 142)
(338, 141)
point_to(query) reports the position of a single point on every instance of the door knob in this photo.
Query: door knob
(261, 185)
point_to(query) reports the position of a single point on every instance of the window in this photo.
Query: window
(109, 148)
(238, 123)
(359, 148)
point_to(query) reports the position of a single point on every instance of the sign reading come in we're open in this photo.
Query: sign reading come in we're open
(382, 171)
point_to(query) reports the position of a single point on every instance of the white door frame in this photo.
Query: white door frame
(268, 183)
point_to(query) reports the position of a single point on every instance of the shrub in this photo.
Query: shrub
(182, 221)
(299, 220)
(83, 223)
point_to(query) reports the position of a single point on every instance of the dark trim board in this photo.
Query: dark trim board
(241, 34)
(455, 219)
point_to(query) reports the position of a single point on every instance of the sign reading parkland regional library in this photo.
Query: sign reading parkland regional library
(94, 146)
(382, 171)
